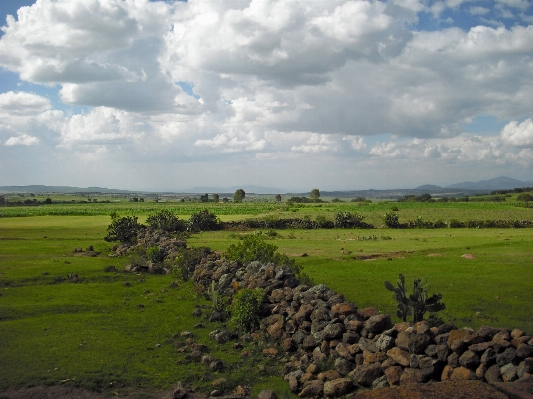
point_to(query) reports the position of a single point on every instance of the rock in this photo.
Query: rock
(270, 352)
(215, 393)
(393, 375)
(453, 360)
(267, 394)
(508, 372)
(380, 382)
(480, 371)
(469, 359)
(524, 351)
(329, 375)
(384, 343)
(219, 382)
(462, 374)
(343, 351)
(180, 393)
(487, 332)
(309, 343)
(343, 366)
(365, 374)
(371, 357)
(344, 308)
(447, 372)
(293, 384)
(488, 357)
(399, 356)
(223, 337)
(507, 356)
(412, 376)
(493, 374)
(368, 345)
(378, 323)
(525, 368)
(367, 312)
(241, 391)
(338, 387)
(313, 389)
(430, 367)
(216, 365)
(197, 312)
(516, 333)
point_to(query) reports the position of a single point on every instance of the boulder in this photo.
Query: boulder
(312, 389)
(378, 323)
(338, 387)
(365, 374)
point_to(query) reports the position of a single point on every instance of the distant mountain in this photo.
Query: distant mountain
(498, 183)
(60, 189)
(428, 187)
(248, 189)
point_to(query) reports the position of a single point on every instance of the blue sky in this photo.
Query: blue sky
(337, 95)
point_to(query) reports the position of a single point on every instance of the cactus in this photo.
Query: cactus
(213, 293)
(416, 304)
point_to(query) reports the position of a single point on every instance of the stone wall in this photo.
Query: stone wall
(332, 348)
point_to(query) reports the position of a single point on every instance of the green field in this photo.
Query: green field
(94, 334)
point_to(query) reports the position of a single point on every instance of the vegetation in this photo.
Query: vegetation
(246, 309)
(417, 303)
(239, 195)
(123, 229)
(166, 221)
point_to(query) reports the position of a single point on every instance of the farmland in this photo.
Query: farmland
(121, 331)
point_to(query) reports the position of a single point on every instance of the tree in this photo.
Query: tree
(216, 198)
(204, 198)
(315, 194)
(278, 197)
(239, 195)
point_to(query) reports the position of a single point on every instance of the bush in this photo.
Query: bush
(155, 255)
(187, 259)
(391, 220)
(123, 229)
(204, 221)
(246, 309)
(166, 221)
(349, 220)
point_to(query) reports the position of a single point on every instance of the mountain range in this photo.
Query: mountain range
(498, 183)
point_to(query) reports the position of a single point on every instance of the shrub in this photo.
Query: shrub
(204, 221)
(123, 229)
(391, 220)
(166, 221)
(246, 309)
(324, 223)
(187, 260)
(155, 255)
(348, 220)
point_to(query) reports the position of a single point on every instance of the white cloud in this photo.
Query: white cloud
(518, 134)
(22, 103)
(23, 139)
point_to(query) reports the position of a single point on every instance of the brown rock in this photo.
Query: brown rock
(412, 376)
(304, 313)
(219, 382)
(338, 387)
(343, 350)
(354, 325)
(469, 359)
(293, 383)
(287, 345)
(493, 374)
(480, 371)
(481, 347)
(371, 357)
(508, 372)
(306, 377)
(367, 312)
(343, 366)
(399, 356)
(267, 394)
(344, 308)
(393, 374)
(313, 389)
(447, 372)
(329, 375)
(462, 374)
(270, 352)
(516, 333)
(445, 390)
(241, 391)
(525, 368)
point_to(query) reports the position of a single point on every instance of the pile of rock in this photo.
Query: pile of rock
(332, 348)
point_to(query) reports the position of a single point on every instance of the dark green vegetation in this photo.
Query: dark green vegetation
(121, 331)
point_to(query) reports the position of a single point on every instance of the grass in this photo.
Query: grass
(93, 334)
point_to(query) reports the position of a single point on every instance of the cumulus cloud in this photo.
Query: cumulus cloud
(518, 134)
(23, 139)
(22, 103)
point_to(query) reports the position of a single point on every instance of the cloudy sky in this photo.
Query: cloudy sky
(334, 94)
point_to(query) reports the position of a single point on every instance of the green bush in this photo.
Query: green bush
(204, 221)
(123, 229)
(166, 221)
(187, 260)
(349, 220)
(246, 309)
(154, 254)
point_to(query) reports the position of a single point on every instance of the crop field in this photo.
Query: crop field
(122, 332)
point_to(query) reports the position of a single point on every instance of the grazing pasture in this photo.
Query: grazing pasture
(119, 332)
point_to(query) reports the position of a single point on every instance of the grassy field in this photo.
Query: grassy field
(122, 332)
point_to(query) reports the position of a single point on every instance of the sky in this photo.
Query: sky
(295, 95)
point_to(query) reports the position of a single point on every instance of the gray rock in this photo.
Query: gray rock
(509, 372)
(380, 382)
(506, 357)
(525, 367)
(365, 374)
(314, 388)
(338, 387)
(267, 394)
(524, 351)
(489, 357)
(378, 323)
(493, 374)
(343, 366)
(469, 359)
(384, 342)
(368, 345)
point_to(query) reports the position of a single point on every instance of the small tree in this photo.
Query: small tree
(246, 309)
(315, 194)
(204, 221)
(239, 195)
(216, 198)
(278, 197)
(166, 221)
(123, 229)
